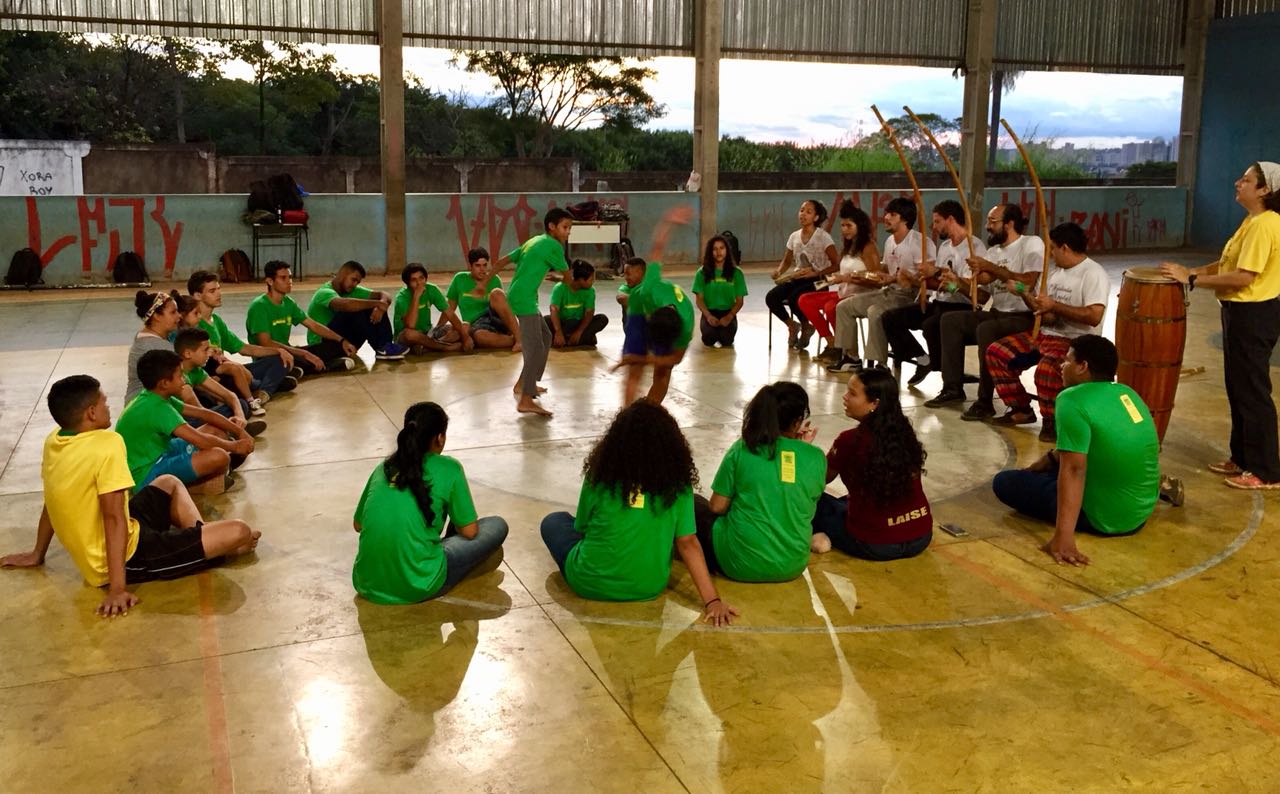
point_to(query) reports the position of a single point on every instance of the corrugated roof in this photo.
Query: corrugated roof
(1091, 35)
(1225, 9)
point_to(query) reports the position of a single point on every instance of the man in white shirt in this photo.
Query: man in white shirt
(901, 259)
(1075, 303)
(1011, 267)
(953, 274)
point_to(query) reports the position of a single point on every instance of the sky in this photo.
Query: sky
(812, 103)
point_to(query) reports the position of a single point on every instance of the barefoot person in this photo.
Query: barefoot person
(476, 295)
(116, 540)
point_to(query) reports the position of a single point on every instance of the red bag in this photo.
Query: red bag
(294, 216)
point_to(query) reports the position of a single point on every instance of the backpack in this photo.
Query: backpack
(285, 194)
(622, 251)
(260, 197)
(234, 267)
(128, 269)
(735, 250)
(613, 211)
(24, 269)
(584, 210)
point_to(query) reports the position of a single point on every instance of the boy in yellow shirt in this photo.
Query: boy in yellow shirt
(115, 540)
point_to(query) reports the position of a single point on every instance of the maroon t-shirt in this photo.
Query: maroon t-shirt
(896, 521)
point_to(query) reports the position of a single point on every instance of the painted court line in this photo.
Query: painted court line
(215, 706)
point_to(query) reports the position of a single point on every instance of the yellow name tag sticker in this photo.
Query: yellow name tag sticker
(679, 295)
(637, 500)
(1134, 413)
(788, 460)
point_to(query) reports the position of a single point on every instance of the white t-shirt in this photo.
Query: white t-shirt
(953, 256)
(905, 255)
(850, 264)
(1086, 284)
(810, 254)
(1024, 255)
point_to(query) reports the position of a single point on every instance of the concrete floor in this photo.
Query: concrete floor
(979, 666)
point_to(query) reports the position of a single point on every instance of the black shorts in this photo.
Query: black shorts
(490, 321)
(164, 551)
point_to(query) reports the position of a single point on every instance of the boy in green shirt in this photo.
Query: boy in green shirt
(158, 439)
(271, 318)
(358, 314)
(411, 314)
(573, 319)
(192, 345)
(1104, 476)
(534, 258)
(115, 540)
(478, 298)
(272, 369)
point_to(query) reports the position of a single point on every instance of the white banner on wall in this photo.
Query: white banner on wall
(42, 168)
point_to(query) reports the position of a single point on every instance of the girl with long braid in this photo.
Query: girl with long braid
(401, 515)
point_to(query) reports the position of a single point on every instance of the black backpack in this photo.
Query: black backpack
(260, 197)
(24, 269)
(128, 269)
(285, 194)
(735, 250)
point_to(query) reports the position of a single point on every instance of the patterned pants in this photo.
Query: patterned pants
(1007, 358)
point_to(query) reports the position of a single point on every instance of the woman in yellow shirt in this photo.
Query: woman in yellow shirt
(1247, 280)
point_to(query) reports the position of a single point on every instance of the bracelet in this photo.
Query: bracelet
(709, 603)
(1191, 282)
(1021, 287)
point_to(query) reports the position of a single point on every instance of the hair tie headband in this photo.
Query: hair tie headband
(1270, 175)
(156, 305)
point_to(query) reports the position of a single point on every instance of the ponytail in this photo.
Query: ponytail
(403, 468)
(774, 410)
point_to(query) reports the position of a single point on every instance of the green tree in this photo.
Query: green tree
(1152, 169)
(544, 95)
(267, 62)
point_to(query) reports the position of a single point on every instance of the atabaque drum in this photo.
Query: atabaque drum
(1151, 333)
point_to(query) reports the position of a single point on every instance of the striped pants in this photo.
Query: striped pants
(1007, 358)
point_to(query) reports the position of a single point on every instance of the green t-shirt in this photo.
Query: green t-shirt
(318, 309)
(1110, 424)
(400, 560)
(462, 292)
(765, 536)
(533, 260)
(146, 424)
(276, 320)
(572, 303)
(431, 296)
(720, 293)
(654, 292)
(195, 376)
(221, 338)
(625, 552)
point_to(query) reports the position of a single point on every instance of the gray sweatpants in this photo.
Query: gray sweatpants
(870, 305)
(535, 346)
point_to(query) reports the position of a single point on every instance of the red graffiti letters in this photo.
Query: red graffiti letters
(92, 215)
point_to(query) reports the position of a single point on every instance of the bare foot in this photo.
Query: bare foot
(528, 406)
(516, 348)
(516, 389)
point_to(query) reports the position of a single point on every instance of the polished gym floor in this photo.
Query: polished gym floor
(979, 666)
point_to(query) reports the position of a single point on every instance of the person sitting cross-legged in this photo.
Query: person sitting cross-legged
(573, 319)
(358, 314)
(411, 314)
(114, 539)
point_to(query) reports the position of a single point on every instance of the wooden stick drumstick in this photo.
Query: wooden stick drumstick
(1042, 218)
(915, 189)
(964, 199)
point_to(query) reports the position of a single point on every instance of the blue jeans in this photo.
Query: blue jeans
(268, 372)
(830, 519)
(462, 555)
(560, 535)
(1035, 494)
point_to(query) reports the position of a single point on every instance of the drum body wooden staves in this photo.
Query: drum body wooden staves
(1151, 333)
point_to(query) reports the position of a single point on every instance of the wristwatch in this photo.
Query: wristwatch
(1191, 282)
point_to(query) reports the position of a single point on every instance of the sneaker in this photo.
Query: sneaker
(254, 427)
(922, 372)
(806, 334)
(296, 373)
(793, 333)
(1011, 418)
(344, 364)
(845, 364)
(831, 354)
(946, 397)
(1172, 491)
(1248, 481)
(289, 383)
(821, 544)
(393, 351)
(1048, 432)
(1227, 468)
(978, 412)
(255, 407)
(262, 396)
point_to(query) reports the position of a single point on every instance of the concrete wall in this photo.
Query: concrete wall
(78, 237)
(42, 168)
(129, 169)
(1238, 120)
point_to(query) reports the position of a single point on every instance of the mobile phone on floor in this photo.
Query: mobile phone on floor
(954, 530)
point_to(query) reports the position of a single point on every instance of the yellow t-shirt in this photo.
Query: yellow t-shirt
(76, 470)
(1255, 247)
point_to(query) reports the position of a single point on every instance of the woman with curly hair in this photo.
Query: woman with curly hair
(858, 257)
(719, 289)
(636, 499)
(757, 525)
(401, 515)
(886, 515)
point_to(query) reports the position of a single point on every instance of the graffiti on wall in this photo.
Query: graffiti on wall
(499, 228)
(121, 222)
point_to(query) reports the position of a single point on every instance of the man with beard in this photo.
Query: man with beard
(1012, 266)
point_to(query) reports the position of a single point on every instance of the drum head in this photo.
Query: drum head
(1147, 275)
